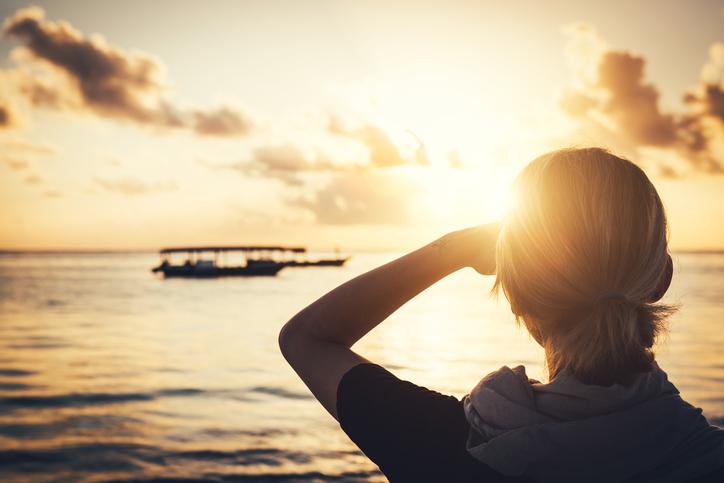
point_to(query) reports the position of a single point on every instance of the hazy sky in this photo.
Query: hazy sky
(353, 124)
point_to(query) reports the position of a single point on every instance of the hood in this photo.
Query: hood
(570, 431)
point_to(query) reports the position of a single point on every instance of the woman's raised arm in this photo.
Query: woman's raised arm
(317, 341)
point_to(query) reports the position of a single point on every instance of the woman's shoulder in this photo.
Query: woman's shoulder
(411, 432)
(368, 386)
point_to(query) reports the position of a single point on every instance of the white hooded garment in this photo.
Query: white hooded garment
(568, 431)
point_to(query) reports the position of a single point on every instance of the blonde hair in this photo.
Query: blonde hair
(580, 256)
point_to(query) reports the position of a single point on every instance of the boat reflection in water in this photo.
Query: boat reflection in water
(258, 260)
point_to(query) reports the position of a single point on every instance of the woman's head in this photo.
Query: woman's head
(582, 257)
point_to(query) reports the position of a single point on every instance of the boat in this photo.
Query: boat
(258, 261)
(203, 261)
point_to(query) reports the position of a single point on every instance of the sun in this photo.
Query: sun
(465, 197)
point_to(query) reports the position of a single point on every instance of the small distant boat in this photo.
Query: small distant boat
(258, 261)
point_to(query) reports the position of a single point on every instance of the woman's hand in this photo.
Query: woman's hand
(472, 247)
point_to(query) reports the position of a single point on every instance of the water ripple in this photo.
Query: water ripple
(38, 345)
(71, 400)
(14, 386)
(306, 477)
(8, 372)
(280, 392)
(105, 457)
(108, 423)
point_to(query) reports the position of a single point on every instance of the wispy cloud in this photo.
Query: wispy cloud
(133, 186)
(16, 164)
(366, 198)
(25, 147)
(32, 179)
(383, 151)
(334, 148)
(19, 156)
(289, 163)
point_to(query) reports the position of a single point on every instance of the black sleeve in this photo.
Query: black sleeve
(410, 432)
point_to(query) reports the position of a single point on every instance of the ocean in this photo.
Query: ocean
(109, 373)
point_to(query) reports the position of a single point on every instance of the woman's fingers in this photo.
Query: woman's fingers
(474, 247)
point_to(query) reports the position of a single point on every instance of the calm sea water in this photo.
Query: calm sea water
(109, 373)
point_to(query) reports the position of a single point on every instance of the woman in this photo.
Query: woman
(582, 258)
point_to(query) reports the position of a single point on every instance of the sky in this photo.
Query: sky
(353, 124)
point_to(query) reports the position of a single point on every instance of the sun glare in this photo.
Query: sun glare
(464, 197)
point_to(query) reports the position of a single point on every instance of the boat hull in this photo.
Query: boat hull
(190, 271)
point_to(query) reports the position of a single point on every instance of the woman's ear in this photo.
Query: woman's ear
(664, 282)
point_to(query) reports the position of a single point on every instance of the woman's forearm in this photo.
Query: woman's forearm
(316, 342)
(348, 312)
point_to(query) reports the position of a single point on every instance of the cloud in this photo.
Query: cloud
(285, 157)
(52, 194)
(105, 80)
(363, 197)
(16, 155)
(109, 80)
(455, 160)
(621, 94)
(707, 98)
(368, 147)
(343, 187)
(133, 186)
(16, 164)
(6, 116)
(46, 93)
(221, 122)
(288, 162)
(28, 148)
(383, 151)
(283, 162)
(611, 92)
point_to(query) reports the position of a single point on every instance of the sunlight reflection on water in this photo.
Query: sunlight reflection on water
(107, 372)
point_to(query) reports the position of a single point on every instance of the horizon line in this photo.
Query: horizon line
(100, 251)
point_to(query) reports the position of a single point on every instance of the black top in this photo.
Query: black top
(412, 433)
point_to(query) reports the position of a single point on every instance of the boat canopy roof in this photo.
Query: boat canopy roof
(232, 249)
